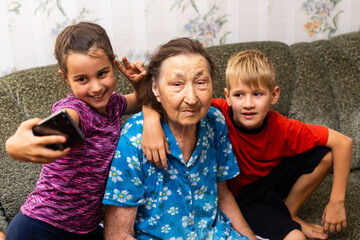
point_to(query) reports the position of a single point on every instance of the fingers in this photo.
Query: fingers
(167, 148)
(139, 66)
(30, 123)
(153, 156)
(344, 224)
(163, 159)
(51, 139)
(156, 159)
(126, 62)
(332, 227)
(120, 67)
(162, 153)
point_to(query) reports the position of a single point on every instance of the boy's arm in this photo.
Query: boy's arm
(229, 206)
(334, 216)
(153, 142)
(135, 73)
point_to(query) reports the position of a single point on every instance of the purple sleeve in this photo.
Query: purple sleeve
(83, 111)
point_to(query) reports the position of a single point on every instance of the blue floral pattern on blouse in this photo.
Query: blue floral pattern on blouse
(181, 202)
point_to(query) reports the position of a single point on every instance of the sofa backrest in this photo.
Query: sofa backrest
(327, 87)
(319, 81)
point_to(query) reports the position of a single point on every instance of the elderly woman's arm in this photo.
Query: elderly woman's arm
(229, 206)
(119, 222)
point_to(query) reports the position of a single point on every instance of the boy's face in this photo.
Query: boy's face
(91, 78)
(249, 104)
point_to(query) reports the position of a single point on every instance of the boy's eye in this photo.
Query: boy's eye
(257, 94)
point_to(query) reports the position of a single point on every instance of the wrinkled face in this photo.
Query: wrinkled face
(91, 78)
(250, 105)
(184, 89)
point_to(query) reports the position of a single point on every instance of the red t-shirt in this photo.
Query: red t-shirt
(259, 153)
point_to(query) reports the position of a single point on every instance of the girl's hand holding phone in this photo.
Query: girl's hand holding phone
(25, 146)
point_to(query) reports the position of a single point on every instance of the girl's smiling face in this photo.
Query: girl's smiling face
(91, 78)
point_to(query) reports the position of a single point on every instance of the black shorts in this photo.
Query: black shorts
(262, 202)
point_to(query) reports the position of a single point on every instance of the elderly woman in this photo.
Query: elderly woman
(184, 201)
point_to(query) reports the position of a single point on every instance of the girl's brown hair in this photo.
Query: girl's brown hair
(83, 37)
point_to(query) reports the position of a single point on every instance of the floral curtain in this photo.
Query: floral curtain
(28, 28)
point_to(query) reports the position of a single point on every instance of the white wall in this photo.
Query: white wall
(28, 28)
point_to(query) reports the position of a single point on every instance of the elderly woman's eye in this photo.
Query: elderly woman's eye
(201, 83)
(176, 84)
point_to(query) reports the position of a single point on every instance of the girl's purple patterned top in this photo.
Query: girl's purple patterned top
(69, 192)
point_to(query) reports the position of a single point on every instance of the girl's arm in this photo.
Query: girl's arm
(119, 222)
(135, 73)
(334, 216)
(153, 142)
(229, 206)
(25, 146)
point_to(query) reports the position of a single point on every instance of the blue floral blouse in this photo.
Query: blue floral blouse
(181, 202)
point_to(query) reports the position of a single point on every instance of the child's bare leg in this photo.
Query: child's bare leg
(295, 235)
(302, 189)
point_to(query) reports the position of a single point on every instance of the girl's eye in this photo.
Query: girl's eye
(81, 79)
(102, 74)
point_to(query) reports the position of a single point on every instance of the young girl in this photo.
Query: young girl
(67, 200)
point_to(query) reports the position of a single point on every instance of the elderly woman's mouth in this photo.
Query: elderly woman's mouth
(190, 112)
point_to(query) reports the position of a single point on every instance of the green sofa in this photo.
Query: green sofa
(319, 81)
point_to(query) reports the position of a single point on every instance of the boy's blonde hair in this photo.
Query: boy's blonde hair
(253, 68)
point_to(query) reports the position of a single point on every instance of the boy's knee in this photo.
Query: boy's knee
(295, 235)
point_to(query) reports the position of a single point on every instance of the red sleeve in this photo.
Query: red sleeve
(220, 104)
(301, 137)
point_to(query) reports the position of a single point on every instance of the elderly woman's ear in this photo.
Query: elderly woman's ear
(155, 90)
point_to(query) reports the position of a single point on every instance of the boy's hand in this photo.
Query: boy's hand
(134, 72)
(334, 217)
(25, 146)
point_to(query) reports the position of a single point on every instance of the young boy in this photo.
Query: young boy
(279, 158)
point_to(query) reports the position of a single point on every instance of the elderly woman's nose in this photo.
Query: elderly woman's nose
(190, 94)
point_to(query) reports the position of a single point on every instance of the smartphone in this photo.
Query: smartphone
(59, 123)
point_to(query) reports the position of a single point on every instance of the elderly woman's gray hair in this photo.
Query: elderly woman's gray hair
(178, 46)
